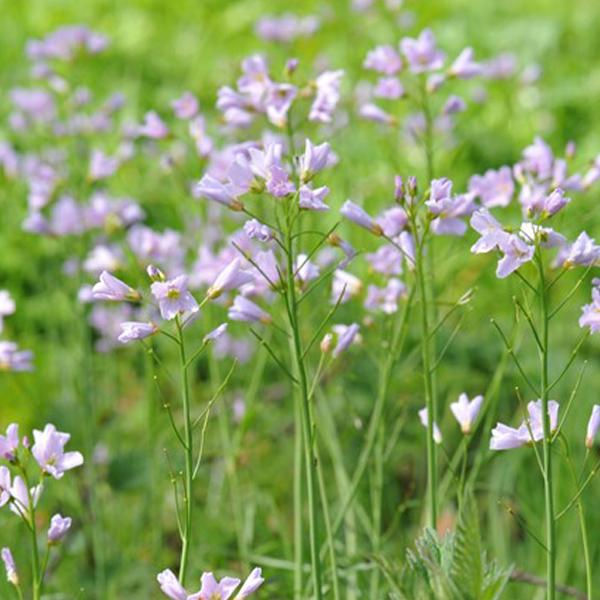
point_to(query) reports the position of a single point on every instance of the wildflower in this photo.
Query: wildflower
(591, 313)
(583, 251)
(7, 306)
(346, 335)
(454, 104)
(10, 442)
(252, 583)
(448, 209)
(102, 166)
(491, 231)
(258, 231)
(327, 96)
(10, 566)
(243, 309)
(312, 199)
(153, 126)
(422, 53)
(173, 297)
(21, 498)
(464, 67)
(48, 451)
(278, 182)
(171, 587)
(13, 359)
(554, 202)
(136, 330)
(305, 270)
(494, 188)
(592, 427)
(383, 59)
(358, 215)
(465, 411)
(186, 106)
(215, 333)
(389, 88)
(59, 527)
(5, 485)
(424, 417)
(315, 159)
(372, 112)
(393, 221)
(386, 298)
(279, 101)
(231, 277)
(516, 253)
(111, 288)
(212, 189)
(344, 286)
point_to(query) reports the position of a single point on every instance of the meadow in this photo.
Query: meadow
(299, 300)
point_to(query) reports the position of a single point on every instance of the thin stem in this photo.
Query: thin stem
(189, 455)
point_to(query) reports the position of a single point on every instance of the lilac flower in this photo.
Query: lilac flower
(434, 82)
(383, 59)
(219, 590)
(136, 330)
(507, 438)
(304, 269)
(111, 288)
(454, 104)
(102, 166)
(583, 251)
(424, 417)
(448, 209)
(555, 202)
(279, 101)
(10, 566)
(215, 333)
(186, 106)
(314, 159)
(9, 443)
(344, 286)
(153, 127)
(286, 28)
(590, 316)
(327, 96)
(465, 411)
(258, 231)
(13, 359)
(278, 183)
(422, 53)
(197, 129)
(538, 159)
(59, 527)
(393, 221)
(243, 309)
(464, 67)
(386, 260)
(173, 297)
(171, 587)
(48, 451)
(592, 427)
(346, 335)
(372, 112)
(312, 199)
(389, 88)
(516, 253)
(494, 188)
(386, 298)
(546, 236)
(230, 278)
(5, 485)
(7, 306)
(252, 583)
(103, 258)
(491, 231)
(358, 215)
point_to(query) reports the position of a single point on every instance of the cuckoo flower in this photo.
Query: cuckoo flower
(231, 277)
(583, 251)
(59, 527)
(422, 53)
(136, 330)
(186, 106)
(153, 126)
(592, 427)
(516, 253)
(464, 67)
(10, 566)
(173, 297)
(590, 316)
(212, 189)
(385, 298)
(257, 231)
(10, 442)
(111, 288)
(5, 485)
(48, 451)
(327, 96)
(346, 335)
(243, 309)
(315, 159)
(465, 411)
(424, 417)
(7, 306)
(13, 359)
(491, 231)
(312, 199)
(493, 188)
(384, 60)
(355, 213)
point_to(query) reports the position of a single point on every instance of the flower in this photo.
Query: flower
(464, 67)
(372, 112)
(173, 297)
(591, 313)
(9, 565)
(424, 417)
(258, 231)
(10, 442)
(5, 485)
(111, 288)
(344, 286)
(102, 166)
(383, 59)
(21, 498)
(466, 411)
(243, 309)
(393, 221)
(212, 189)
(491, 231)
(327, 96)
(516, 253)
(304, 269)
(48, 451)
(592, 427)
(389, 88)
(314, 159)
(583, 251)
(171, 587)
(494, 188)
(386, 298)
(252, 583)
(231, 277)
(186, 106)
(358, 215)
(13, 359)
(346, 335)
(59, 527)
(153, 126)
(310, 199)
(136, 330)
(422, 53)
(7, 306)
(215, 333)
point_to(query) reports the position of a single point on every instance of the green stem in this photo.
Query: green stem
(37, 580)
(189, 456)
(298, 467)
(547, 440)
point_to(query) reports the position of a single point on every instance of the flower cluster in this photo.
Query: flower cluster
(11, 357)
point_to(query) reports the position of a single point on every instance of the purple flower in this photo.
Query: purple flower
(424, 417)
(312, 199)
(5, 485)
(197, 129)
(346, 335)
(592, 427)
(383, 59)
(465, 411)
(10, 442)
(59, 527)
(358, 215)
(388, 88)
(215, 333)
(393, 221)
(464, 67)
(153, 127)
(13, 359)
(186, 106)
(327, 96)
(454, 104)
(279, 101)
(304, 269)
(555, 202)
(538, 159)
(230, 278)
(507, 438)
(7, 306)
(22, 499)
(491, 231)
(219, 590)
(258, 231)
(583, 251)
(171, 587)
(102, 166)
(252, 583)
(278, 182)
(243, 309)
(422, 53)
(136, 330)
(111, 288)
(448, 209)
(173, 297)
(494, 188)
(590, 316)
(10, 566)
(372, 112)
(387, 260)
(286, 28)
(314, 159)
(516, 253)
(386, 298)
(48, 451)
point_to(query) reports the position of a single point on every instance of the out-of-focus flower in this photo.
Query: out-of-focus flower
(327, 96)
(153, 127)
(464, 67)
(315, 159)
(424, 417)
(186, 106)
(215, 333)
(384, 60)
(9, 443)
(494, 188)
(10, 566)
(111, 288)
(13, 359)
(230, 278)
(243, 309)
(592, 427)
(422, 53)
(465, 411)
(7, 306)
(355, 213)
(212, 189)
